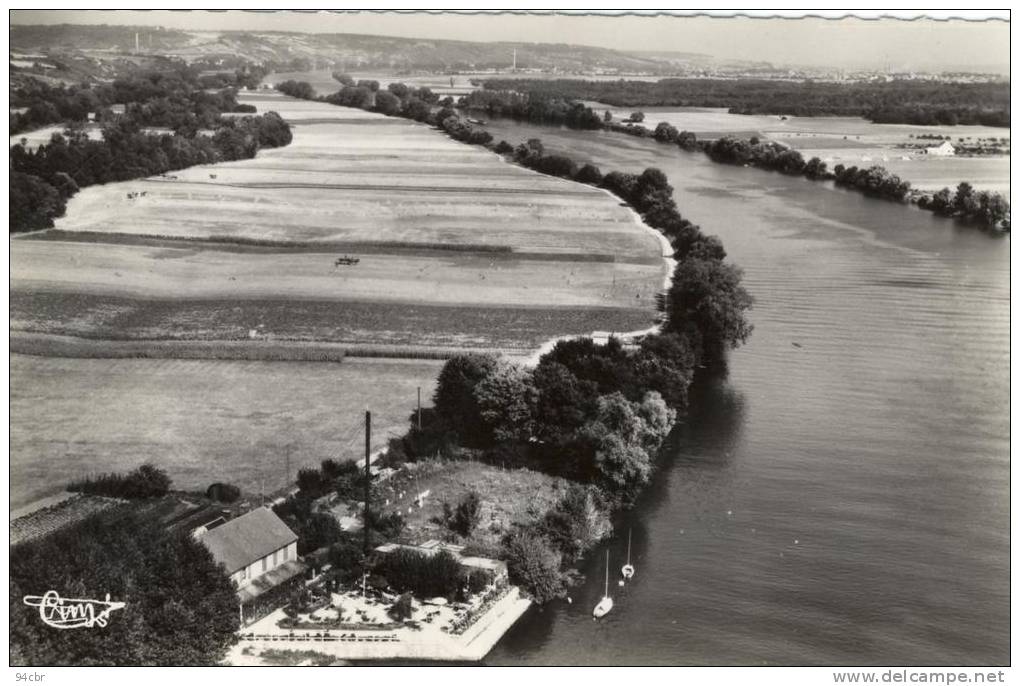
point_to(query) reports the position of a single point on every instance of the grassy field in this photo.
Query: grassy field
(202, 421)
(356, 175)
(484, 254)
(469, 279)
(508, 496)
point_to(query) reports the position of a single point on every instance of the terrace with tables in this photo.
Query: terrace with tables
(356, 624)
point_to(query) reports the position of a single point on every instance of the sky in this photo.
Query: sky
(920, 44)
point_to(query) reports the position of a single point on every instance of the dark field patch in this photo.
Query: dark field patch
(120, 318)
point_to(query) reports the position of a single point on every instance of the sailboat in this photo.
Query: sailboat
(606, 604)
(628, 569)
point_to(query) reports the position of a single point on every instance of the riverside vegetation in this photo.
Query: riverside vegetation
(595, 414)
(894, 102)
(550, 104)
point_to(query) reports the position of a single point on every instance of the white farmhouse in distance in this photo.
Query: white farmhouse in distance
(943, 150)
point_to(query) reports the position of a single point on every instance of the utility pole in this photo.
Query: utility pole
(419, 408)
(368, 473)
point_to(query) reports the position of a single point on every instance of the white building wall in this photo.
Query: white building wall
(273, 560)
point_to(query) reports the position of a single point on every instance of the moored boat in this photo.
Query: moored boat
(606, 604)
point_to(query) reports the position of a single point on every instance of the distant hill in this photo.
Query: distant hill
(698, 60)
(341, 51)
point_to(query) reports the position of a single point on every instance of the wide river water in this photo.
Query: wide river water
(842, 495)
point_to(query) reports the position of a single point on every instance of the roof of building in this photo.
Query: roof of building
(497, 567)
(248, 538)
(270, 580)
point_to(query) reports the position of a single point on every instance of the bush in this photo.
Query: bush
(346, 556)
(314, 530)
(435, 438)
(422, 574)
(297, 89)
(454, 398)
(534, 565)
(387, 103)
(33, 203)
(387, 526)
(311, 483)
(589, 174)
(506, 400)
(224, 493)
(557, 165)
(577, 522)
(464, 518)
(402, 609)
(145, 482)
(707, 300)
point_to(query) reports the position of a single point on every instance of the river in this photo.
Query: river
(842, 495)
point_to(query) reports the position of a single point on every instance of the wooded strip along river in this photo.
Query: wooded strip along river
(842, 496)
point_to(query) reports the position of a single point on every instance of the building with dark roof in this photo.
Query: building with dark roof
(259, 553)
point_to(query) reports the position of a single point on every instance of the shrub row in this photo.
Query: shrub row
(142, 483)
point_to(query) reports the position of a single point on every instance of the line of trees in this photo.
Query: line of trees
(537, 108)
(895, 102)
(989, 209)
(180, 98)
(42, 180)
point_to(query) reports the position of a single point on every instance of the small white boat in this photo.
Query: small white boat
(606, 604)
(628, 569)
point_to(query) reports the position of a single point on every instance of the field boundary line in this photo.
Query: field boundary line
(66, 346)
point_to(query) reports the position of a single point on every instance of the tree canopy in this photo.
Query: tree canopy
(180, 607)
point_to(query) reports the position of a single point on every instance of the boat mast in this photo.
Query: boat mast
(606, 594)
